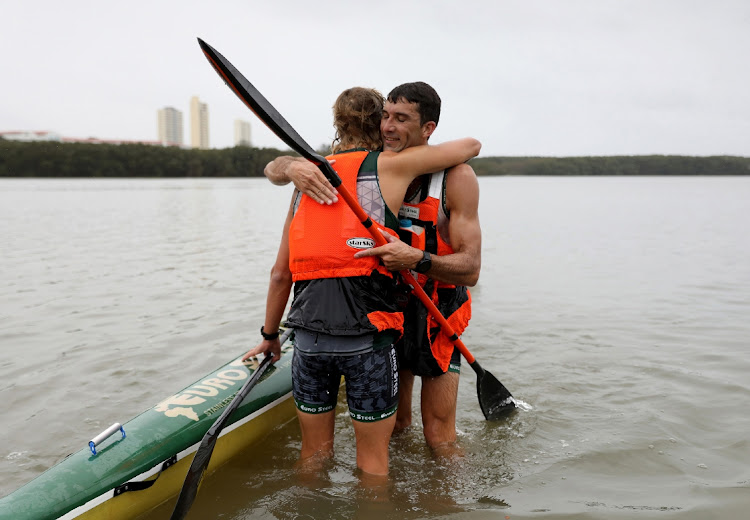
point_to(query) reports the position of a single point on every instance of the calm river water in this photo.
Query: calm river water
(618, 309)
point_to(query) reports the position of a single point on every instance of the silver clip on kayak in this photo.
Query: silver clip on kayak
(93, 443)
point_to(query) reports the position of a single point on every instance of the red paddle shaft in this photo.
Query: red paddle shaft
(406, 275)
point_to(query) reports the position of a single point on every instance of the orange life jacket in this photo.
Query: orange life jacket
(340, 294)
(323, 238)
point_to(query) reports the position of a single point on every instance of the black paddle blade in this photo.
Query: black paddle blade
(194, 477)
(265, 111)
(203, 455)
(494, 399)
(256, 102)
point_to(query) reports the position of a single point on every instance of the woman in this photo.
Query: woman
(345, 309)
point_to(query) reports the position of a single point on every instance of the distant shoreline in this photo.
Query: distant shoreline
(620, 165)
(63, 160)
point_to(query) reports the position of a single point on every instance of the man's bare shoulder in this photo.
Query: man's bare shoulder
(461, 187)
(461, 171)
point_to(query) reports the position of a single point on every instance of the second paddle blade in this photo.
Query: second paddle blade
(494, 399)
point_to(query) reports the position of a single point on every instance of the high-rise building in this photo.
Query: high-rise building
(241, 133)
(170, 126)
(198, 123)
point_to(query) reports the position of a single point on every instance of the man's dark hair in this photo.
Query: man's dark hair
(427, 100)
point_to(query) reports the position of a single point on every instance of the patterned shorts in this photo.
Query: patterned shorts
(371, 383)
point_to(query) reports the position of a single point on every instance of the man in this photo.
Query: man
(453, 260)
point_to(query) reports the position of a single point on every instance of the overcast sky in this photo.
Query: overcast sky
(551, 78)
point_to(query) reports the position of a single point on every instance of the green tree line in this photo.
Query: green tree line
(613, 165)
(51, 159)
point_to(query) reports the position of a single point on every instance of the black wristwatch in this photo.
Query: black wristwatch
(424, 265)
(271, 336)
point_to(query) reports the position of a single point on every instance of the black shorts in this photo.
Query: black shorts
(371, 383)
(422, 363)
(414, 353)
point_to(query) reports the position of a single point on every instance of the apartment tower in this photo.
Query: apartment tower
(170, 126)
(198, 123)
(241, 133)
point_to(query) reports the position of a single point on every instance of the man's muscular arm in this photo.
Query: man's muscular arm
(462, 201)
(306, 177)
(463, 266)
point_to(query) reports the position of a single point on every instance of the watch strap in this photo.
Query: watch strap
(270, 336)
(424, 264)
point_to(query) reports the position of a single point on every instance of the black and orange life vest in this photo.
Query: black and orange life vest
(454, 302)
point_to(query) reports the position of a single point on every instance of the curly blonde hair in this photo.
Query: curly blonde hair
(357, 113)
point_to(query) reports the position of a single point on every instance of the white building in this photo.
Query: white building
(31, 136)
(170, 126)
(198, 123)
(241, 133)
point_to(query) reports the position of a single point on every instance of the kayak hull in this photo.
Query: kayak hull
(130, 475)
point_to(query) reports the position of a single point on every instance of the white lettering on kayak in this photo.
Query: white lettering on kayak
(208, 391)
(181, 400)
(219, 406)
(183, 404)
(180, 405)
(221, 384)
(235, 375)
